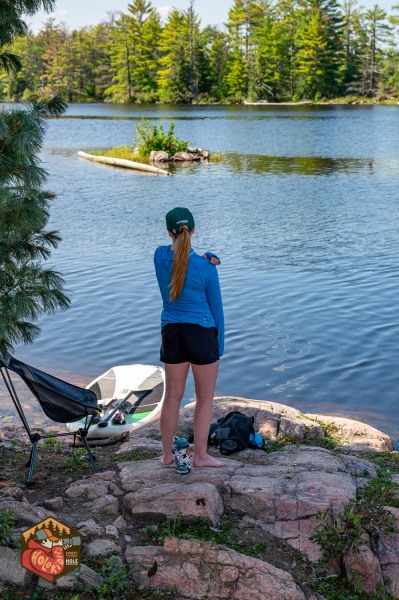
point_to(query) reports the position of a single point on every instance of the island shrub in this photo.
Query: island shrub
(153, 137)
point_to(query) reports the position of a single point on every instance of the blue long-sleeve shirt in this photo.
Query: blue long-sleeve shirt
(200, 301)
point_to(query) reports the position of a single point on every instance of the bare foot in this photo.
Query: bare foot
(167, 460)
(207, 461)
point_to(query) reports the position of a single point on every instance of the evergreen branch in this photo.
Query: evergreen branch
(29, 6)
(21, 332)
(43, 108)
(11, 25)
(10, 62)
(27, 290)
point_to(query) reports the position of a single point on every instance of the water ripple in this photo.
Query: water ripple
(305, 217)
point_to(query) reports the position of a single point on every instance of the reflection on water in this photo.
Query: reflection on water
(193, 117)
(301, 165)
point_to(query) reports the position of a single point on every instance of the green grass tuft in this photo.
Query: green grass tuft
(124, 152)
(7, 524)
(78, 458)
(136, 454)
(202, 530)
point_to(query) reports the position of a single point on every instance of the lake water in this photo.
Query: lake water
(304, 215)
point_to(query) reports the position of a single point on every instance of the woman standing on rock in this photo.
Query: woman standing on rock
(192, 332)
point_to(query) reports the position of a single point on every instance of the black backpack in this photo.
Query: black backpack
(234, 432)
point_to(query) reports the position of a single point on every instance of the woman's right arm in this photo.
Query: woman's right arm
(215, 303)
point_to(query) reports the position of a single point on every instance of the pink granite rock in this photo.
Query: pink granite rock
(200, 570)
(283, 495)
(148, 473)
(358, 436)
(184, 156)
(90, 528)
(101, 547)
(168, 500)
(95, 486)
(54, 503)
(159, 156)
(84, 578)
(139, 441)
(87, 490)
(106, 505)
(11, 570)
(120, 523)
(13, 492)
(25, 512)
(363, 567)
(286, 501)
(103, 476)
(271, 418)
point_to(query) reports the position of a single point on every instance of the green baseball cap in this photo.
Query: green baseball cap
(177, 218)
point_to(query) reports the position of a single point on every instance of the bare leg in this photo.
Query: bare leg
(175, 376)
(205, 380)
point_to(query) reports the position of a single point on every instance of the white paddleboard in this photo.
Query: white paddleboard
(143, 405)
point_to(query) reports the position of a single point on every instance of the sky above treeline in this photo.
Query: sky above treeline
(76, 13)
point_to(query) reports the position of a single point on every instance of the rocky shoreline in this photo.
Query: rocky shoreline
(263, 506)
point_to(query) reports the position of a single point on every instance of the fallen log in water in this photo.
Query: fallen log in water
(122, 162)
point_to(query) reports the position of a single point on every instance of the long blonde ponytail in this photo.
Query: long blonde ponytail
(182, 248)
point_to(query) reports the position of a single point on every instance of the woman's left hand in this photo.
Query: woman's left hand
(213, 259)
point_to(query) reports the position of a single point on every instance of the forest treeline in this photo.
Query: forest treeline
(276, 51)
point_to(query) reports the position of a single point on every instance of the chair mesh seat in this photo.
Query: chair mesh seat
(62, 402)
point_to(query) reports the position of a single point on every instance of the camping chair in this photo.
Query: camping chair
(61, 402)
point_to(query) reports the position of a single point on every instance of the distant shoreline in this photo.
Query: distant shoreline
(334, 102)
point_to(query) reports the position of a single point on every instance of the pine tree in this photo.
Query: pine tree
(351, 42)
(315, 58)
(390, 67)
(394, 19)
(181, 48)
(134, 53)
(102, 72)
(217, 51)
(289, 16)
(390, 74)
(121, 88)
(237, 76)
(27, 289)
(193, 28)
(54, 77)
(273, 64)
(144, 33)
(378, 34)
(320, 53)
(244, 19)
(19, 85)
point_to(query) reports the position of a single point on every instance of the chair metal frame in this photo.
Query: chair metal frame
(108, 416)
(36, 437)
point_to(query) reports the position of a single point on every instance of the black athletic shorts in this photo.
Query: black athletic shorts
(186, 342)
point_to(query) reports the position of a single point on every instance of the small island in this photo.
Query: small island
(151, 147)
